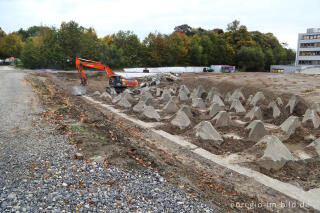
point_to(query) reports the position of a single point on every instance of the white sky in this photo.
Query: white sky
(283, 18)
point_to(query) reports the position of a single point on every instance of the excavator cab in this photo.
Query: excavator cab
(115, 81)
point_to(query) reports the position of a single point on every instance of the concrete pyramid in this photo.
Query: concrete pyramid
(206, 131)
(256, 98)
(166, 95)
(257, 130)
(222, 119)
(183, 95)
(213, 91)
(249, 100)
(214, 109)
(311, 119)
(237, 94)
(96, 93)
(181, 120)
(198, 103)
(275, 153)
(148, 101)
(158, 92)
(316, 107)
(275, 109)
(254, 113)
(124, 103)
(237, 106)
(138, 108)
(292, 103)
(128, 96)
(197, 92)
(105, 96)
(183, 88)
(279, 101)
(289, 126)
(186, 109)
(170, 107)
(316, 146)
(145, 95)
(217, 99)
(151, 113)
(227, 97)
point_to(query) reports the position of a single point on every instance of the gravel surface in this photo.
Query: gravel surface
(38, 172)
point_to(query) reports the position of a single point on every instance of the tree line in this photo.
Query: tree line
(49, 47)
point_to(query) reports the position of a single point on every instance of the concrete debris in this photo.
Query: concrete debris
(213, 91)
(237, 94)
(279, 101)
(214, 109)
(316, 107)
(143, 84)
(181, 120)
(222, 119)
(78, 90)
(316, 146)
(116, 99)
(257, 130)
(217, 99)
(198, 103)
(123, 102)
(128, 91)
(128, 96)
(170, 107)
(113, 92)
(184, 88)
(275, 153)
(105, 96)
(256, 98)
(197, 92)
(206, 131)
(158, 92)
(289, 126)
(237, 106)
(151, 113)
(249, 100)
(138, 108)
(186, 109)
(292, 103)
(96, 93)
(311, 119)
(275, 109)
(254, 113)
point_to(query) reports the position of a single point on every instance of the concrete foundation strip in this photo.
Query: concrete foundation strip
(311, 197)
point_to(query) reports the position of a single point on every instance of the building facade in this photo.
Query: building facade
(308, 50)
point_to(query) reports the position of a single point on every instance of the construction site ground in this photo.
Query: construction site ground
(95, 133)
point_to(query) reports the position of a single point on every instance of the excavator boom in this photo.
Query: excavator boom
(115, 81)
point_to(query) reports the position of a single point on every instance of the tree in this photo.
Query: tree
(11, 45)
(250, 59)
(186, 29)
(177, 49)
(233, 26)
(69, 38)
(155, 50)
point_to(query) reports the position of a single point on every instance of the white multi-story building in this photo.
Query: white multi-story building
(308, 51)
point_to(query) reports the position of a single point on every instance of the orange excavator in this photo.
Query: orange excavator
(116, 81)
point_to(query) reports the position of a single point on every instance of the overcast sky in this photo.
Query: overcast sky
(284, 18)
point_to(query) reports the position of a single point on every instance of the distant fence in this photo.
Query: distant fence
(166, 69)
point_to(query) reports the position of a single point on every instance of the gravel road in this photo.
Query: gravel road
(38, 172)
